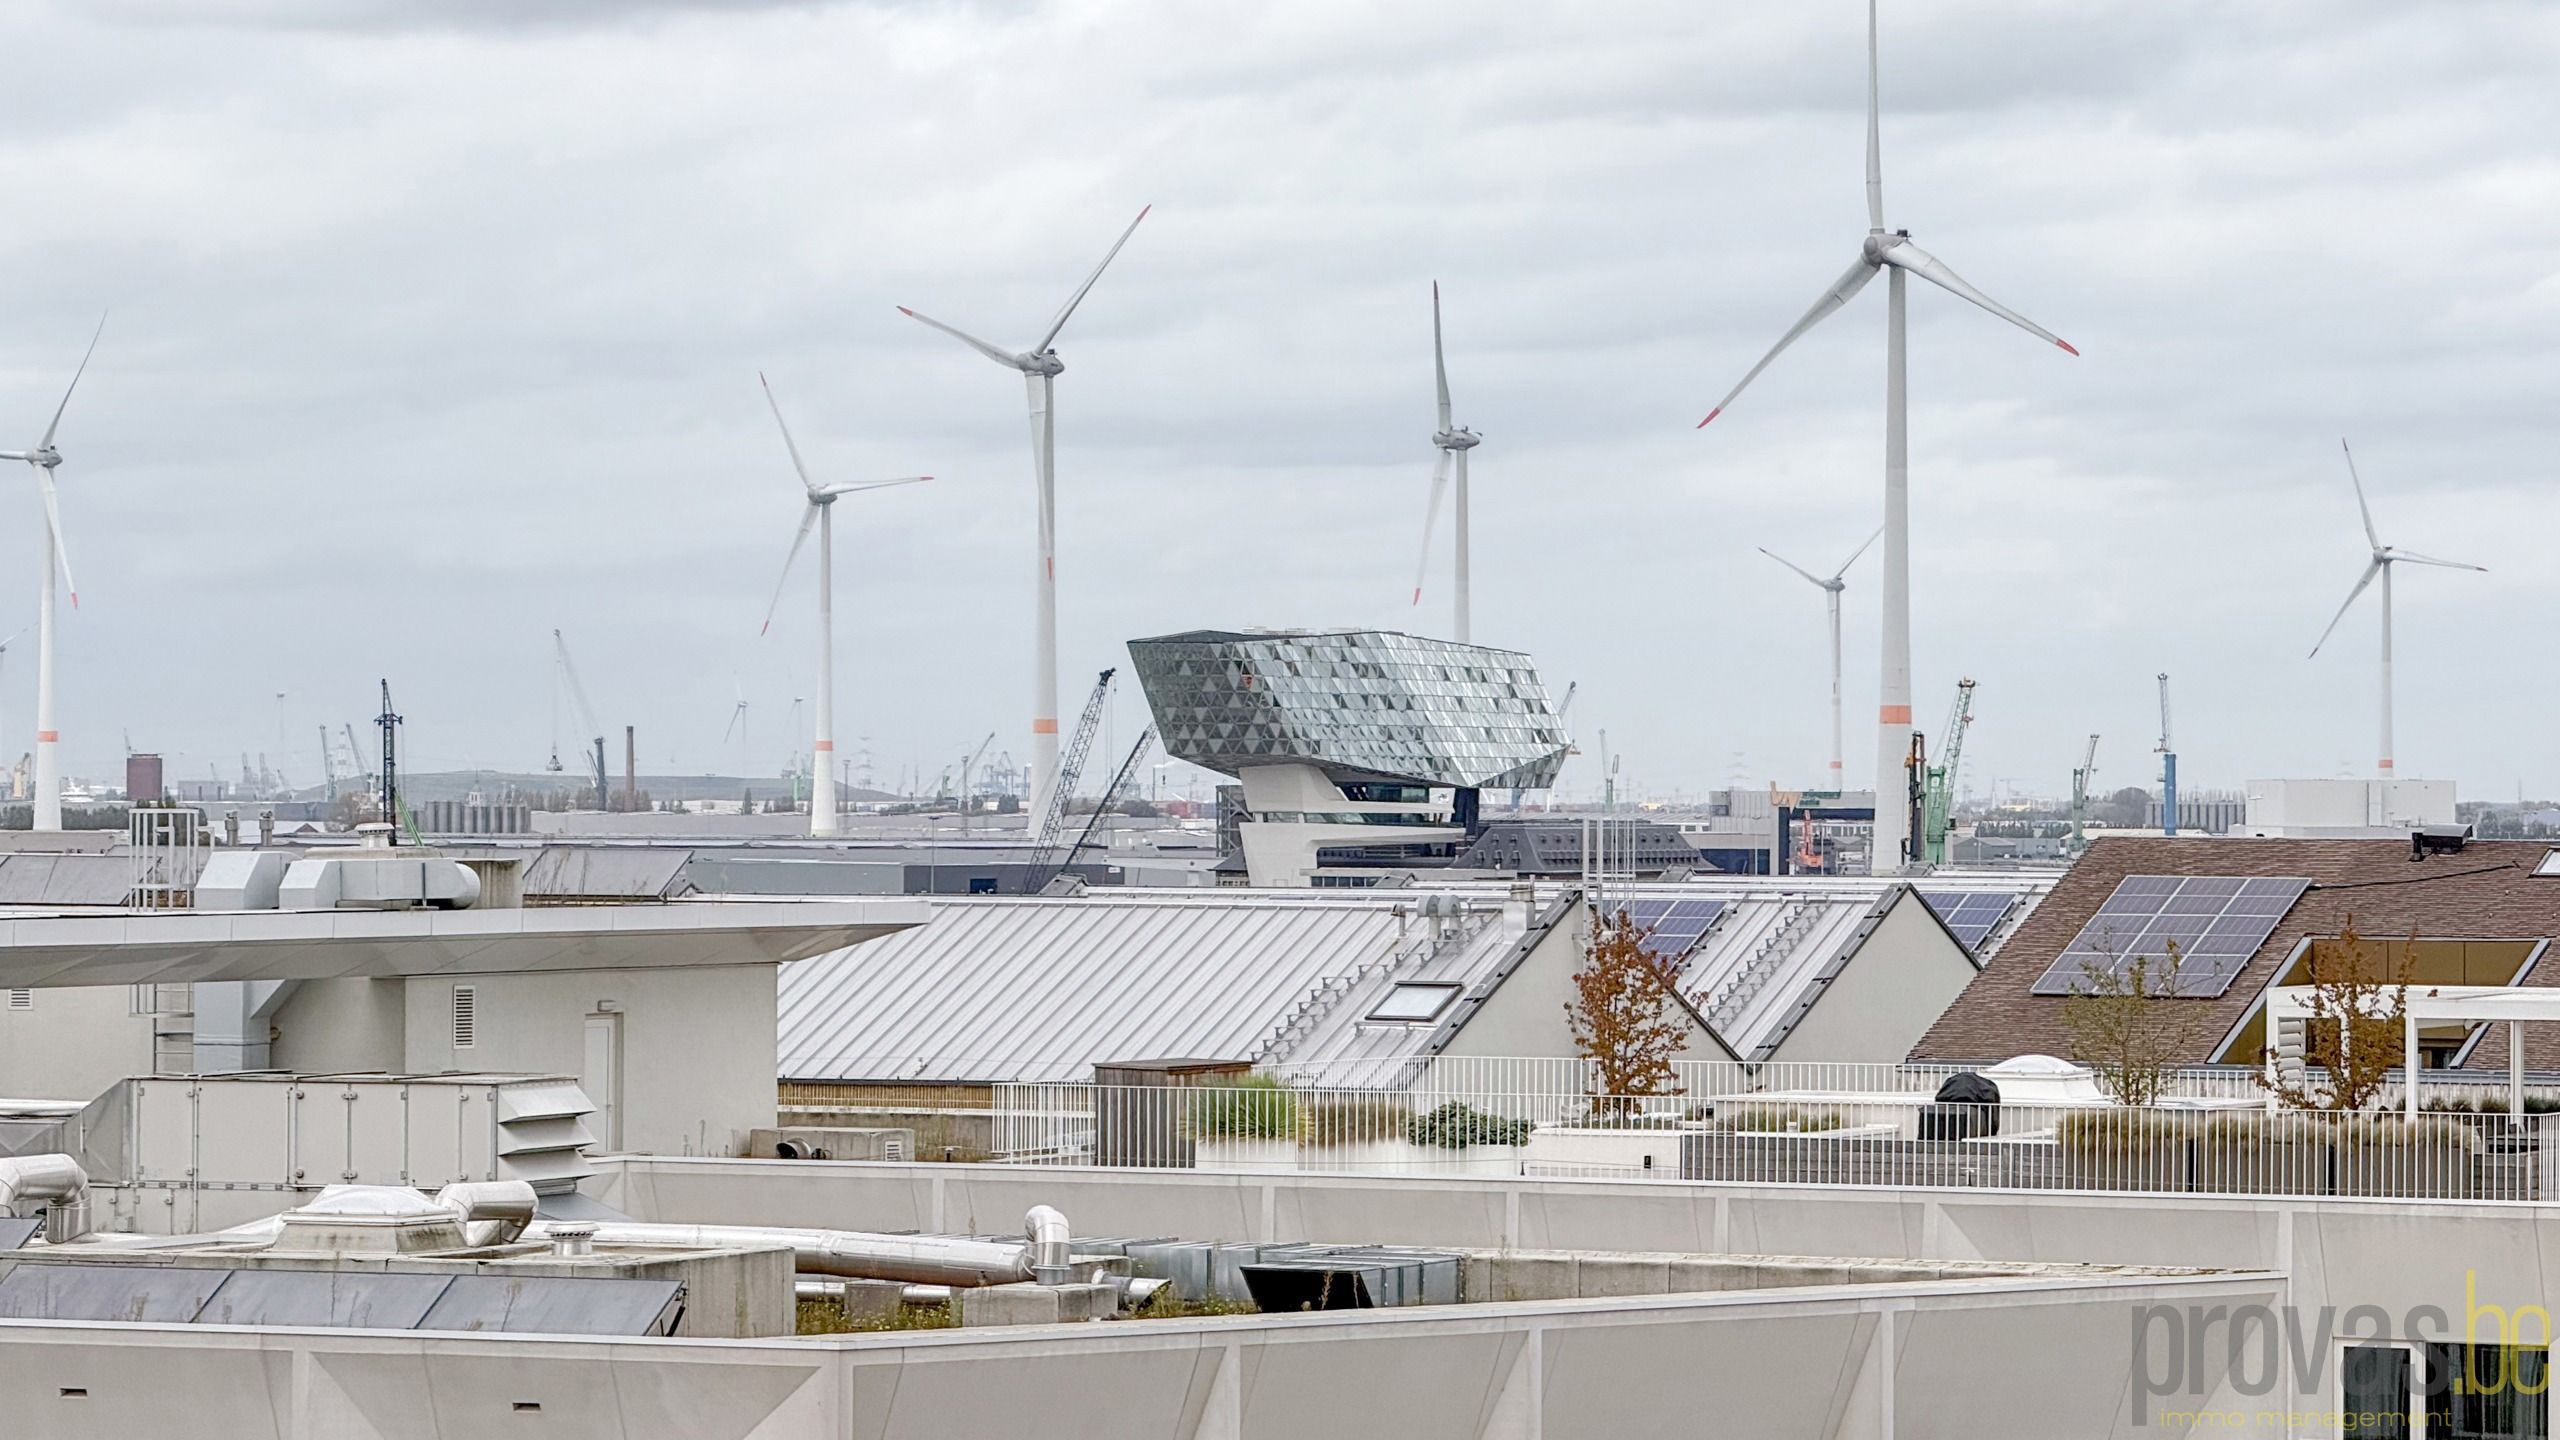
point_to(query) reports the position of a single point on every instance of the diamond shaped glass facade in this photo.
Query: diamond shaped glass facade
(1364, 705)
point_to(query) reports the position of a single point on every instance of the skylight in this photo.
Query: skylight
(1415, 1001)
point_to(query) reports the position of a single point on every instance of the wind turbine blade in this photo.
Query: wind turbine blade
(1928, 267)
(1854, 554)
(998, 354)
(856, 487)
(2358, 481)
(1875, 140)
(735, 712)
(2371, 569)
(1431, 521)
(2414, 558)
(47, 442)
(53, 530)
(1078, 298)
(787, 442)
(808, 522)
(1790, 564)
(1832, 299)
(1439, 361)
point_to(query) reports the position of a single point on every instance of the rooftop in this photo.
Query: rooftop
(2486, 891)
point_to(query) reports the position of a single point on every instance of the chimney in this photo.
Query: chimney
(630, 767)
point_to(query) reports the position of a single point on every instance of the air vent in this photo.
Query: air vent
(22, 999)
(466, 1006)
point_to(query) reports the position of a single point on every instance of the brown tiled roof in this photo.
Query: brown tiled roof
(2486, 891)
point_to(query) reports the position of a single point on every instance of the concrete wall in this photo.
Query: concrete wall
(1526, 1015)
(71, 1044)
(700, 1043)
(338, 1025)
(2403, 1256)
(1850, 1361)
(1893, 988)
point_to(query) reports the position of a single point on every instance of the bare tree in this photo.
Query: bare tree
(2128, 1024)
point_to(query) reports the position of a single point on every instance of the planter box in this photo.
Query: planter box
(1492, 1160)
(1649, 1151)
(1393, 1157)
(2419, 1172)
(2299, 1166)
(1261, 1156)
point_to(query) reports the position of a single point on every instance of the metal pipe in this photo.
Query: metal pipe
(851, 1254)
(56, 1180)
(494, 1212)
(1046, 1229)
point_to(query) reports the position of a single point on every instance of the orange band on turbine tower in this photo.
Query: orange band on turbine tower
(48, 737)
(1044, 727)
(1893, 714)
(826, 744)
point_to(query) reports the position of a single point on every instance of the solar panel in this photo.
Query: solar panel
(1676, 925)
(2214, 922)
(1971, 914)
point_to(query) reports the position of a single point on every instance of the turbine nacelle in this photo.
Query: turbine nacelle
(1044, 363)
(1460, 438)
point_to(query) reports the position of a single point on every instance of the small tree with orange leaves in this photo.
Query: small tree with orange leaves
(1626, 1016)
(2352, 1037)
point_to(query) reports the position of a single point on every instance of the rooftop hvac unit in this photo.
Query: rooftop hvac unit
(831, 1142)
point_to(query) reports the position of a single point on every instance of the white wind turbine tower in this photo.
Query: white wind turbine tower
(2383, 558)
(1040, 367)
(1889, 250)
(1831, 589)
(820, 513)
(1453, 443)
(43, 459)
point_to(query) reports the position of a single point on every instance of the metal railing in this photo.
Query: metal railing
(2195, 1144)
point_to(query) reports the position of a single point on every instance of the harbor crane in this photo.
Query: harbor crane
(1039, 879)
(968, 763)
(2168, 765)
(567, 671)
(2080, 783)
(1052, 819)
(1938, 788)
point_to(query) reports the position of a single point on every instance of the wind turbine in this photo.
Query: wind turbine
(1889, 250)
(1040, 367)
(820, 513)
(43, 459)
(2383, 558)
(1831, 589)
(1453, 443)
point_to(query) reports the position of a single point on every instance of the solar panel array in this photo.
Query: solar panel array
(2216, 922)
(1971, 914)
(1677, 925)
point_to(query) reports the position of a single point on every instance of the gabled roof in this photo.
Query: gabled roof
(2485, 891)
(1037, 989)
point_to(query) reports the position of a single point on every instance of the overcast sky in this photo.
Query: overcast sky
(436, 326)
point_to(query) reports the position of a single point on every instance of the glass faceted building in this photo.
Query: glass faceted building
(1367, 707)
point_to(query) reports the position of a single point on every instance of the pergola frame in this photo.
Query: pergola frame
(2510, 1005)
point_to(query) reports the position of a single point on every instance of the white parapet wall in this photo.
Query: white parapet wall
(1857, 1360)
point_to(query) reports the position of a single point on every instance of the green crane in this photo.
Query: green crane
(2080, 779)
(1938, 798)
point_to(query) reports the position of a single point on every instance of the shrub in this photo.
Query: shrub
(1256, 1107)
(1783, 1119)
(1457, 1125)
(1356, 1119)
